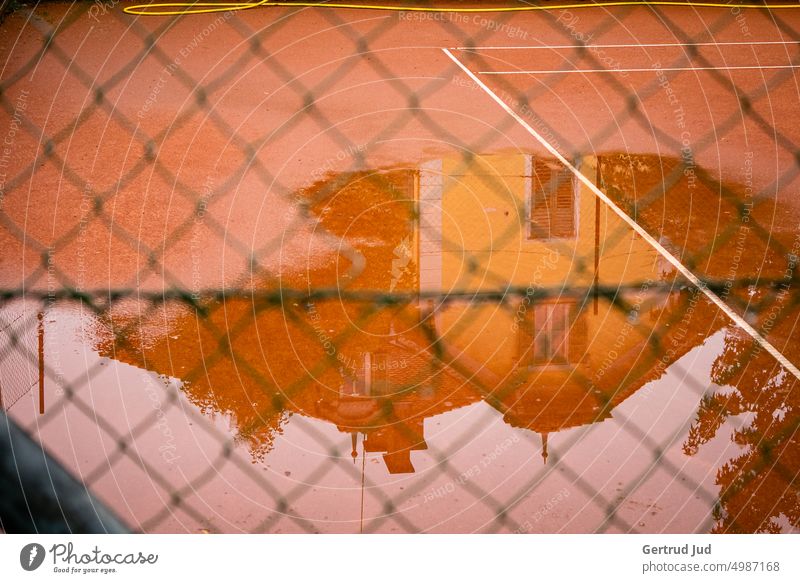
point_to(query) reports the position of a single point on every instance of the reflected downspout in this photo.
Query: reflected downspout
(40, 317)
(597, 243)
(363, 474)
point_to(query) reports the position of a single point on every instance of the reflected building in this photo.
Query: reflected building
(456, 281)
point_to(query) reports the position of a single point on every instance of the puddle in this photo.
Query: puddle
(482, 347)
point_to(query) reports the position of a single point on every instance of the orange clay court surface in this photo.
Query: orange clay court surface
(348, 270)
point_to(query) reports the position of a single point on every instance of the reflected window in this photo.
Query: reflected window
(369, 377)
(379, 373)
(552, 192)
(544, 335)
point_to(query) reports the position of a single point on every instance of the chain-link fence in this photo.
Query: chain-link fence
(293, 269)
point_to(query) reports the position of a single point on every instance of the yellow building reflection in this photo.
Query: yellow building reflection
(456, 281)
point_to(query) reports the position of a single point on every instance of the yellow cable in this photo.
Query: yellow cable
(179, 8)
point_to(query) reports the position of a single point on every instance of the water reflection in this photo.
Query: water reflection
(501, 280)
(758, 488)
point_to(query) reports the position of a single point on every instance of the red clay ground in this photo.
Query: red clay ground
(152, 154)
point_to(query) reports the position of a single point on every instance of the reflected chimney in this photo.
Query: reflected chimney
(544, 447)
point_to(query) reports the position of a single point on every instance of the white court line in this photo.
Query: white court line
(633, 45)
(714, 298)
(639, 70)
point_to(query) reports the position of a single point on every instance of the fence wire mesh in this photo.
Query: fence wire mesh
(213, 270)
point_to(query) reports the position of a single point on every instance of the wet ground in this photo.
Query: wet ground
(296, 270)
